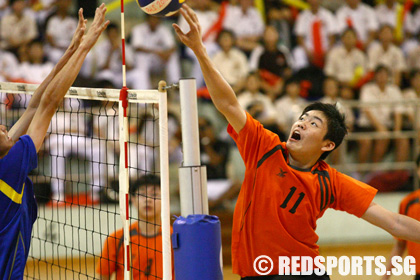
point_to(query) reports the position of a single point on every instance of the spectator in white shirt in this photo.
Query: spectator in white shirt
(108, 58)
(346, 62)
(388, 54)
(412, 112)
(315, 29)
(60, 28)
(155, 51)
(230, 61)
(381, 118)
(17, 28)
(361, 18)
(387, 14)
(36, 69)
(290, 106)
(252, 95)
(9, 66)
(246, 23)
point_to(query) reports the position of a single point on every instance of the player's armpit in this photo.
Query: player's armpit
(396, 224)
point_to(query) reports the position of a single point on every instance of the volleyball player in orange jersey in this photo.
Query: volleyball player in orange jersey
(287, 185)
(145, 236)
(409, 206)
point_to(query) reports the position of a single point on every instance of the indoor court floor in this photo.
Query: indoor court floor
(84, 267)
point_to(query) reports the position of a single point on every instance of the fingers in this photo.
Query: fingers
(186, 16)
(99, 15)
(81, 18)
(178, 31)
(105, 25)
(191, 13)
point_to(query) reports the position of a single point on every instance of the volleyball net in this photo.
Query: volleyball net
(83, 193)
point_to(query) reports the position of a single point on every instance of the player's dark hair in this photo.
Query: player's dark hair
(336, 125)
(145, 181)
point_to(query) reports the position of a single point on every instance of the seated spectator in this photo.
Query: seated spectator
(9, 66)
(315, 29)
(387, 54)
(332, 96)
(290, 106)
(209, 21)
(108, 58)
(36, 69)
(387, 14)
(279, 15)
(67, 136)
(214, 154)
(246, 23)
(230, 61)
(412, 112)
(60, 28)
(17, 28)
(345, 62)
(253, 95)
(145, 236)
(272, 61)
(361, 18)
(155, 51)
(4, 4)
(380, 118)
(413, 58)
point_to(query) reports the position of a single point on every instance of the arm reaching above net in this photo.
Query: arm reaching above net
(24, 121)
(58, 87)
(221, 93)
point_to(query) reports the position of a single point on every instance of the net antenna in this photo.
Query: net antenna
(124, 169)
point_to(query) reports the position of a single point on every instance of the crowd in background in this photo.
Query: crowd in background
(277, 59)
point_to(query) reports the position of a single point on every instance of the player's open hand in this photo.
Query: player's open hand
(193, 38)
(80, 31)
(97, 27)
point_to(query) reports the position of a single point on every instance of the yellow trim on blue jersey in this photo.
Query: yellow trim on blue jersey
(11, 193)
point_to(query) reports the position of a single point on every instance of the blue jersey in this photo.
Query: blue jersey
(18, 209)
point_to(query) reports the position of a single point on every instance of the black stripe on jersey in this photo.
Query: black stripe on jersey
(410, 203)
(269, 154)
(327, 196)
(261, 161)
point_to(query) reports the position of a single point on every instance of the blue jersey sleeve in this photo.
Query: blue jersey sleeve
(14, 169)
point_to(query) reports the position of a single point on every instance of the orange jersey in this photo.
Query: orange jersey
(410, 206)
(146, 255)
(279, 204)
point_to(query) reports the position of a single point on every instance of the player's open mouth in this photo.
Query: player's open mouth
(295, 135)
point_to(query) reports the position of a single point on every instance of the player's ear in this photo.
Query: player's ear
(328, 146)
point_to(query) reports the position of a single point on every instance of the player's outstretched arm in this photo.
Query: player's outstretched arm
(221, 93)
(58, 87)
(398, 225)
(21, 126)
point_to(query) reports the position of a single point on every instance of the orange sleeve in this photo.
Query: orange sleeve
(253, 140)
(352, 196)
(107, 262)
